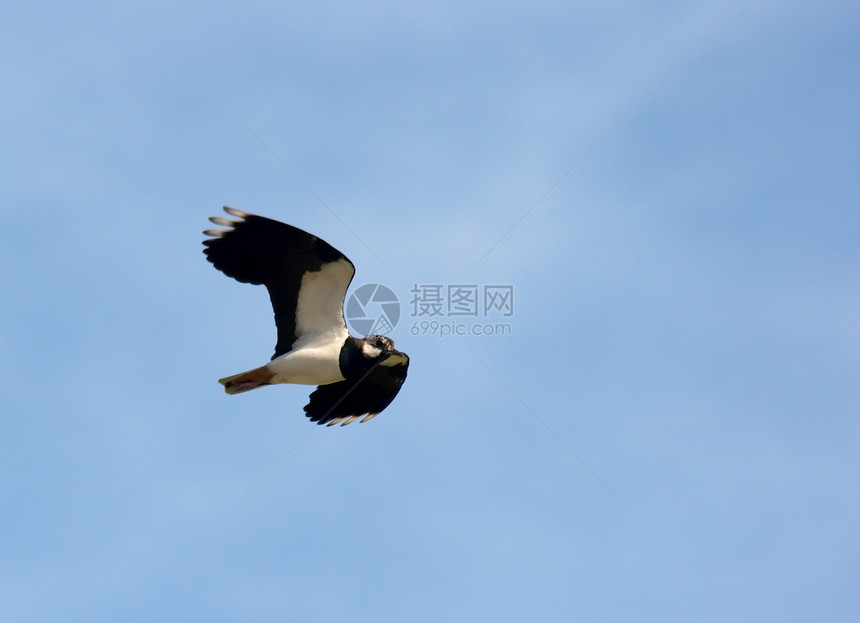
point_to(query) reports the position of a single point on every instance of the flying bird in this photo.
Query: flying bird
(307, 280)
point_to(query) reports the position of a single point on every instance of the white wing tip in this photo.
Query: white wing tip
(220, 220)
(236, 213)
(343, 420)
(226, 222)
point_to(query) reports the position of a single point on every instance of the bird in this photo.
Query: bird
(307, 280)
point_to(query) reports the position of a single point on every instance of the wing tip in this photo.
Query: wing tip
(225, 222)
(236, 213)
(343, 420)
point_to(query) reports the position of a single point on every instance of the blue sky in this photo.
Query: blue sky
(668, 433)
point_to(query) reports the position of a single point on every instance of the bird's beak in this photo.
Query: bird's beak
(393, 357)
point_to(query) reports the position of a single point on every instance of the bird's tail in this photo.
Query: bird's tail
(245, 381)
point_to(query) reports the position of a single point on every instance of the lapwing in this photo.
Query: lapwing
(307, 280)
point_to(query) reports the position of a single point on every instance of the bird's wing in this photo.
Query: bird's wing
(367, 394)
(306, 277)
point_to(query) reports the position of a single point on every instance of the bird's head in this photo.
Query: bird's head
(382, 348)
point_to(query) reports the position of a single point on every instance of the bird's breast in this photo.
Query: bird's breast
(308, 365)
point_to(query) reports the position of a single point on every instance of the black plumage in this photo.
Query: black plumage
(263, 251)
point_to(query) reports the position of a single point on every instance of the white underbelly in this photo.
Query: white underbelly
(307, 366)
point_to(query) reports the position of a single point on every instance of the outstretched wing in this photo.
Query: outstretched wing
(306, 277)
(367, 394)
